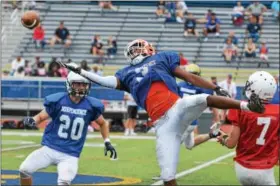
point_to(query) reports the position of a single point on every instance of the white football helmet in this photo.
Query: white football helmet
(261, 83)
(138, 50)
(72, 78)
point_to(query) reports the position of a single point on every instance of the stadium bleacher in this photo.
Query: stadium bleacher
(128, 23)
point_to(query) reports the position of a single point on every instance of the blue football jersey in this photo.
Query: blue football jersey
(67, 130)
(137, 79)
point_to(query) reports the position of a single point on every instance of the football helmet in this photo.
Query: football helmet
(262, 84)
(77, 90)
(194, 69)
(138, 50)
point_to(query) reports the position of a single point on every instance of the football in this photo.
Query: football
(30, 19)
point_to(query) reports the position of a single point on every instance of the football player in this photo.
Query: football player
(256, 135)
(151, 79)
(71, 112)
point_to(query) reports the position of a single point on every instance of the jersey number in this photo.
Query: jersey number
(78, 124)
(266, 122)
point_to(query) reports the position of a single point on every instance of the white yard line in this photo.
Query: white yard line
(21, 147)
(199, 167)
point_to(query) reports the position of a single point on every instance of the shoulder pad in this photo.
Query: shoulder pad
(55, 97)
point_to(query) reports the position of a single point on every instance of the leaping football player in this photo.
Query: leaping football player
(71, 112)
(150, 78)
(256, 135)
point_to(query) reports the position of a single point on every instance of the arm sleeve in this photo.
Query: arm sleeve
(98, 110)
(50, 107)
(218, 21)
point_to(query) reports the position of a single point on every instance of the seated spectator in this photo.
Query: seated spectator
(96, 46)
(61, 36)
(190, 26)
(275, 6)
(212, 26)
(54, 69)
(97, 71)
(181, 9)
(39, 37)
(263, 50)
(206, 18)
(27, 68)
(35, 65)
(257, 9)
(107, 5)
(20, 72)
(254, 29)
(112, 47)
(84, 65)
(171, 11)
(233, 38)
(16, 64)
(160, 8)
(229, 51)
(238, 14)
(183, 61)
(41, 70)
(250, 49)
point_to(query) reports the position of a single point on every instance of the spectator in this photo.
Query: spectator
(107, 5)
(20, 72)
(233, 38)
(96, 46)
(31, 5)
(97, 71)
(254, 29)
(190, 26)
(54, 69)
(230, 87)
(39, 37)
(112, 47)
(160, 8)
(238, 14)
(275, 6)
(27, 68)
(183, 61)
(84, 65)
(41, 71)
(35, 65)
(212, 26)
(263, 50)
(250, 49)
(16, 64)
(181, 9)
(62, 36)
(229, 51)
(171, 11)
(257, 9)
(206, 18)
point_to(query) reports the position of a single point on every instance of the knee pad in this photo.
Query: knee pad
(167, 174)
(24, 174)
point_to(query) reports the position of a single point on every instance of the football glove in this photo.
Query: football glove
(221, 92)
(255, 104)
(215, 130)
(109, 147)
(29, 122)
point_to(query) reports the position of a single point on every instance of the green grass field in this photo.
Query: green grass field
(136, 160)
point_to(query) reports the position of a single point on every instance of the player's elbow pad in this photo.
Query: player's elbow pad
(108, 81)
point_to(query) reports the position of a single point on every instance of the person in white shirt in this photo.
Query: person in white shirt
(238, 11)
(132, 111)
(16, 64)
(230, 87)
(181, 9)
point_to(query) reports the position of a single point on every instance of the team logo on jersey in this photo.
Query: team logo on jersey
(11, 177)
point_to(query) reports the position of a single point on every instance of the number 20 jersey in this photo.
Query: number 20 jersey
(258, 144)
(67, 130)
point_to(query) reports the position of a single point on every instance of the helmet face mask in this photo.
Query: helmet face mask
(77, 85)
(137, 50)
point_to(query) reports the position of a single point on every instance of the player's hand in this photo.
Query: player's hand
(215, 130)
(255, 104)
(221, 92)
(71, 66)
(29, 122)
(109, 147)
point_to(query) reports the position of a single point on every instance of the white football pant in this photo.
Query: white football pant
(170, 128)
(67, 166)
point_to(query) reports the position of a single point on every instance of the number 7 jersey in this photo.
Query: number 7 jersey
(258, 144)
(67, 130)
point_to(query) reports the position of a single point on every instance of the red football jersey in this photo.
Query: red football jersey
(258, 144)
